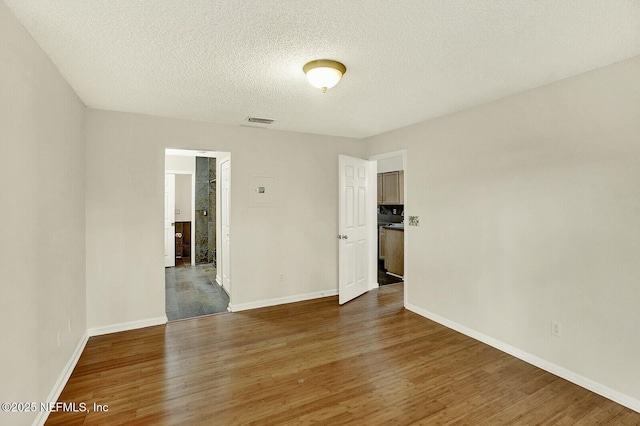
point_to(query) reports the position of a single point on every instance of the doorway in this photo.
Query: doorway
(193, 283)
(390, 211)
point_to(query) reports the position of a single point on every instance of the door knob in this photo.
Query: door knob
(342, 237)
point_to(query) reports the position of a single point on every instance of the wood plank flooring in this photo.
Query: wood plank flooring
(369, 362)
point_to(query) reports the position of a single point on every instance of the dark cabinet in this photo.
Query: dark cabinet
(183, 242)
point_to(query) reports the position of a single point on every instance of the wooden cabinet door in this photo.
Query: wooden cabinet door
(394, 251)
(390, 188)
(382, 242)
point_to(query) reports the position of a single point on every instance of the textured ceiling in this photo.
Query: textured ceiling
(407, 61)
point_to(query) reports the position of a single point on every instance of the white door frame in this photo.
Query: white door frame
(221, 156)
(193, 210)
(223, 269)
(169, 220)
(400, 153)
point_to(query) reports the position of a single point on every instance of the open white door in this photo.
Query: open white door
(356, 230)
(225, 190)
(169, 219)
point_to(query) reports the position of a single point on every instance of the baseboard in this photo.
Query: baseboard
(395, 275)
(62, 379)
(281, 300)
(114, 328)
(569, 375)
(224, 288)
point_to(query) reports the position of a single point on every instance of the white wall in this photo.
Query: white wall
(182, 163)
(184, 184)
(296, 237)
(42, 254)
(529, 213)
(184, 202)
(390, 164)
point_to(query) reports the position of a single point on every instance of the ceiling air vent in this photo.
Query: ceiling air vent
(259, 120)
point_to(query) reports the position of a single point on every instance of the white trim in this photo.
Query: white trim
(114, 328)
(63, 379)
(191, 173)
(593, 386)
(372, 230)
(407, 235)
(225, 290)
(223, 209)
(282, 300)
(193, 215)
(191, 152)
(398, 153)
(179, 172)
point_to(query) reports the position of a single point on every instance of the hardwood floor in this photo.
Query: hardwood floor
(368, 362)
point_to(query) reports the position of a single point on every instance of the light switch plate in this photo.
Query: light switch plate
(414, 221)
(265, 191)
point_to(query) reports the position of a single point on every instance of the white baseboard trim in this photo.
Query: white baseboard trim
(114, 328)
(569, 375)
(282, 300)
(62, 379)
(219, 282)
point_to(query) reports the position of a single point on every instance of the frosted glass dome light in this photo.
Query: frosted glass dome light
(324, 73)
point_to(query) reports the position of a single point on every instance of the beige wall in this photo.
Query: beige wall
(529, 210)
(294, 237)
(529, 213)
(184, 184)
(184, 203)
(42, 256)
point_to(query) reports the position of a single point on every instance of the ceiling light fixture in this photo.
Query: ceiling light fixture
(324, 73)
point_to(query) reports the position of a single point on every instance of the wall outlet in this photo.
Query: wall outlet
(556, 329)
(281, 277)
